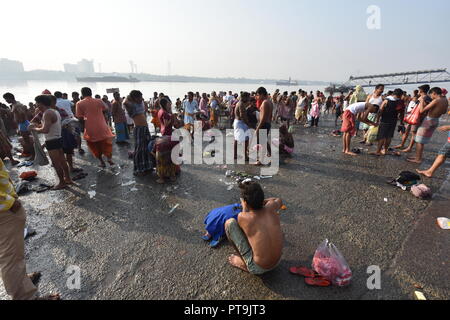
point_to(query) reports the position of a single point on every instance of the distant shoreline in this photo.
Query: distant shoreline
(45, 75)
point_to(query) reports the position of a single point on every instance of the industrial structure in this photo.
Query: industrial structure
(393, 79)
(404, 78)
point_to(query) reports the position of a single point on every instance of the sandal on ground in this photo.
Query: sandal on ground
(206, 238)
(303, 271)
(215, 243)
(317, 282)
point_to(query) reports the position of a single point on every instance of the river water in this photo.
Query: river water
(26, 91)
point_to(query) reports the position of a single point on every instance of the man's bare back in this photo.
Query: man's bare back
(439, 109)
(263, 231)
(20, 112)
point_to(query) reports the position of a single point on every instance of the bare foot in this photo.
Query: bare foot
(349, 153)
(425, 173)
(237, 262)
(398, 147)
(406, 150)
(414, 160)
(70, 182)
(60, 186)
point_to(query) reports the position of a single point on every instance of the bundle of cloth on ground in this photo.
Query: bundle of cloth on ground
(215, 220)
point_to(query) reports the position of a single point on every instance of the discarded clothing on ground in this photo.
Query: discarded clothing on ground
(22, 188)
(421, 191)
(215, 220)
(28, 175)
(406, 180)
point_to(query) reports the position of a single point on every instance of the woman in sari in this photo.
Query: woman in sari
(134, 105)
(165, 168)
(214, 109)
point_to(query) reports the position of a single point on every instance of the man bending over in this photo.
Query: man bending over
(257, 235)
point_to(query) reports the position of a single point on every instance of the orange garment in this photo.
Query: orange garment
(155, 120)
(100, 148)
(213, 118)
(96, 128)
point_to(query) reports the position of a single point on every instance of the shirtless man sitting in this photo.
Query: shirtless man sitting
(257, 235)
(434, 111)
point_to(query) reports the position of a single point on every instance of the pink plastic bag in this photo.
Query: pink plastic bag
(331, 264)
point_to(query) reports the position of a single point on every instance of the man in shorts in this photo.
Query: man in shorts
(425, 99)
(434, 111)
(358, 111)
(256, 235)
(444, 153)
(51, 128)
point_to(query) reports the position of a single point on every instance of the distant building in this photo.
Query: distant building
(83, 66)
(10, 66)
(70, 68)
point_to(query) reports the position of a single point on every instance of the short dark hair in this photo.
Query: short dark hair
(58, 94)
(379, 86)
(436, 90)
(163, 102)
(8, 95)
(252, 194)
(262, 91)
(44, 99)
(376, 107)
(425, 88)
(52, 99)
(398, 92)
(86, 92)
(135, 94)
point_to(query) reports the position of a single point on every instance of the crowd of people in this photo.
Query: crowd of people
(100, 122)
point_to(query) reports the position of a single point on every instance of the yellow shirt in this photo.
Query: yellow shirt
(8, 194)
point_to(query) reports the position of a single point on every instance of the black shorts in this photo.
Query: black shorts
(386, 130)
(54, 144)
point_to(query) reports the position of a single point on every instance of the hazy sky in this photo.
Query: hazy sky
(305, 39)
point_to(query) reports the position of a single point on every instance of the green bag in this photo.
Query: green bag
(372, 135)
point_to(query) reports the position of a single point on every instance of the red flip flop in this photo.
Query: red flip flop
(317, 282)
(303, 271)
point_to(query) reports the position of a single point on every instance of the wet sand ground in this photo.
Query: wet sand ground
(128, 246)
